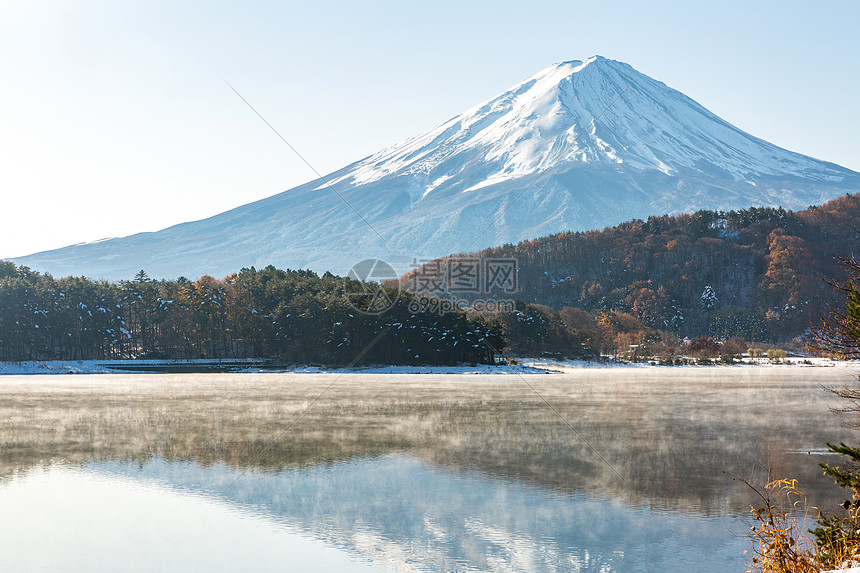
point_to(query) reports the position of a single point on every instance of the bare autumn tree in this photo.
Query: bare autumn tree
(838, 330)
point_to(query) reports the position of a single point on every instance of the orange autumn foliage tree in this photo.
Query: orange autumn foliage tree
(762, 264)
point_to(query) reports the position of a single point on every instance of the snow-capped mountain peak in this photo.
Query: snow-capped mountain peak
(596, 110)
(582, 144)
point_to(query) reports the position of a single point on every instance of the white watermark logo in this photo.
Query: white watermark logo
(365, 287)
(439, 286)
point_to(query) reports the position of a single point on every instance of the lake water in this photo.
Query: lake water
(599, 470)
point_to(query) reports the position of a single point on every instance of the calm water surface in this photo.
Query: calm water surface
(402, 473)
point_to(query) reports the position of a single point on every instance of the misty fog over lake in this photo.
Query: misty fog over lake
(628, 470)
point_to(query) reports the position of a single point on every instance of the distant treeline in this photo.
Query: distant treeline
(634, 289)
(754, 273)
(293, 316)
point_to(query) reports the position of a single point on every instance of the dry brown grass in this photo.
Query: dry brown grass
(781, 542)
(781, 536)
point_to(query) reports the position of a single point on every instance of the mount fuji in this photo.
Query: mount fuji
(580, 145)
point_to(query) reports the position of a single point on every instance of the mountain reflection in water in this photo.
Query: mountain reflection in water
(394, 512)
(428, 472)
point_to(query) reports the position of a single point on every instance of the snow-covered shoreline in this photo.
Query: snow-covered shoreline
(525, 366)
(247, 366)
(115, 366)
(791, 361)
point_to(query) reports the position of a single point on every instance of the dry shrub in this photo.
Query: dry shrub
(734, 346)
(781, 535)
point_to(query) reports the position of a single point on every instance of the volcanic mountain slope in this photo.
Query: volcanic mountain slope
(580, 145)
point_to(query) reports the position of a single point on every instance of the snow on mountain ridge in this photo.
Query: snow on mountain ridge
(548, 120)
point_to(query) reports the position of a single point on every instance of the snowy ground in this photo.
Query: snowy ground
(468, 369)
(107, 366)
(526, 366)
(115, 366)
(792, 361)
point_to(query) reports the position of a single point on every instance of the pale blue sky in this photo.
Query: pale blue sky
(114, 118)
